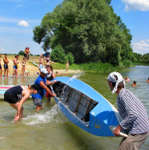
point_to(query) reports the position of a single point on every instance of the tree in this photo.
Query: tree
(58, 55)
(21, 52)
(89, 29)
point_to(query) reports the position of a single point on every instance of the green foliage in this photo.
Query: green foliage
(21, 53)
(69, 57)
(98, 67)
(127, 63)
(58, 54)
(89, 29)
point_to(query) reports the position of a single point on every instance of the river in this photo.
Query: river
(50, 130)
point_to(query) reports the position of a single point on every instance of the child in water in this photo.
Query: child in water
(147, 80)
(134, 84)
(127, 79)
(16, 96)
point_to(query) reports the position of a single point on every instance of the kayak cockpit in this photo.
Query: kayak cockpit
(77, 102)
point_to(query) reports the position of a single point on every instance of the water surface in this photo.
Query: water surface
(50, 130)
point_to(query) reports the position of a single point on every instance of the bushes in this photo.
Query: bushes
(127, 63)
(58, 55)
(70, 58)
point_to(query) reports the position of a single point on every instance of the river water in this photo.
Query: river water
(50, 130)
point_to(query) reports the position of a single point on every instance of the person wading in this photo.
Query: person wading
(6, 68)
(134, 116)
(41, 82)
(16, 96)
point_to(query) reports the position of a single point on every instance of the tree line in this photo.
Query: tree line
(87, 30)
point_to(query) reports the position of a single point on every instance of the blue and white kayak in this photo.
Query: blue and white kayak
(85, 107)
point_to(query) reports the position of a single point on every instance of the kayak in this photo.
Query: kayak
(85, 107)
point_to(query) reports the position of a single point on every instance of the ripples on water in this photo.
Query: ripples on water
(49, 130)
(20, 80)
(42, 118)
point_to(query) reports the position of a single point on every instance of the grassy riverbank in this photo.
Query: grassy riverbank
(60, 69)
(92, 67)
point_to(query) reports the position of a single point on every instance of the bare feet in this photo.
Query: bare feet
(38, 108)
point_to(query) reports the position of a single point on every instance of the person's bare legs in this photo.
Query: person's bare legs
(4, 72)
(15, 106)
(38, 108)
(7, 72)
(0, 72)
(15, 73)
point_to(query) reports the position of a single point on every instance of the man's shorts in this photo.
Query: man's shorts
(5, 66)
(37, 99)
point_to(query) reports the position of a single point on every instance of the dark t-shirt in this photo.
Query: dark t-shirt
(13, 95)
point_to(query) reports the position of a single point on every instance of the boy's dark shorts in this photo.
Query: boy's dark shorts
(37, 99)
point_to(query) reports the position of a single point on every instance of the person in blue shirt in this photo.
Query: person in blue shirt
(41, 82)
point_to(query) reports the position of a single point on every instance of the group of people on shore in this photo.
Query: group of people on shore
(4, 69)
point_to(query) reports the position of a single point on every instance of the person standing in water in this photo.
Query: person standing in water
(41, 83)
(134, 116)
(6, 68)
(134, 84)
(23, 66)
(15, 66)
(147, 80)
(0, 67)
(16, 96)
(50, 77)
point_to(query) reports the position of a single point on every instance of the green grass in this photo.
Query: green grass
(91, 67)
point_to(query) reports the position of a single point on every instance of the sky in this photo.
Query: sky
(19, 17)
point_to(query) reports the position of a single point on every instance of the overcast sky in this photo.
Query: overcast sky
(19, 17)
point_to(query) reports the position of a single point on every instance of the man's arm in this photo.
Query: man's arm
(20, 104)
(127, 105)
(46, 88)
(50, 82)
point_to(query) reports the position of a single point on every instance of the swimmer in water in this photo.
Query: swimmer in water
(16, 96)
(134, 84)
(127, 79)
(147, 80)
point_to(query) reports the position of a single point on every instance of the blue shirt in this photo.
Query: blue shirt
(41, 90)
(133, 113)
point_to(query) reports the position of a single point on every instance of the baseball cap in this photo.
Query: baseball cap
(43, 70)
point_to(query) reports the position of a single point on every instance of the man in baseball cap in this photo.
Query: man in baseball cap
(42, 89)
(134, 116)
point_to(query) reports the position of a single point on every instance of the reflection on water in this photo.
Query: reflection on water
(50, 130)
(21, 80)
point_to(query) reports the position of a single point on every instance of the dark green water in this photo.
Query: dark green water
(50, 130)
